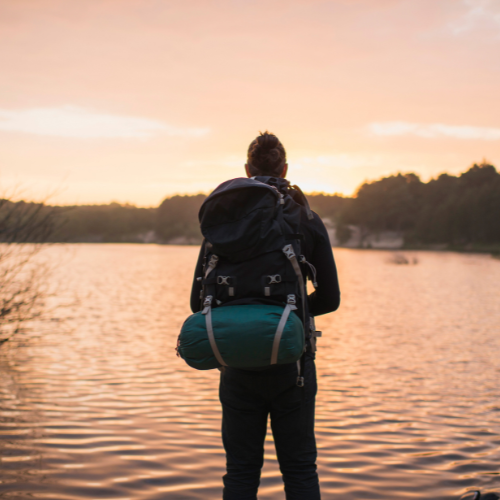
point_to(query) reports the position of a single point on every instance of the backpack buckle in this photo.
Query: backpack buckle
(274, 278)
(288, 251)
(223, 280)
(300, 381)
(212, 264)
(290, 299)
(207, 304)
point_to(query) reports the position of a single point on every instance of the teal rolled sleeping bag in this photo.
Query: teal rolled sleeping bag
(246, 336)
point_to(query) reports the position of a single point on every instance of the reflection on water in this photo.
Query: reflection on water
(100, 407)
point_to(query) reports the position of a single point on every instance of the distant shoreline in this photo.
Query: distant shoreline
(493, 250)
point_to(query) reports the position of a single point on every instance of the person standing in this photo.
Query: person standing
(248, 397)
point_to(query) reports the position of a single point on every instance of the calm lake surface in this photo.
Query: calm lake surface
(95, 404)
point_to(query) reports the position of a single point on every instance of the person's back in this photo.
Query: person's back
(249, 396)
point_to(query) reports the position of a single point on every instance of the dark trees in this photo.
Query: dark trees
(463, 210)
(111, 223)
(177, 219)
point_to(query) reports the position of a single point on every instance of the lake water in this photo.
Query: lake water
(95, 404)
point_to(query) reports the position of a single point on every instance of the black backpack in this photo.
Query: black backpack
(252, 230)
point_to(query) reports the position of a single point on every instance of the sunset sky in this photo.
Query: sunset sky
(134, 100)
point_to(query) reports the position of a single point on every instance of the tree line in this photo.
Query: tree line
(458, 211)
(175, 220)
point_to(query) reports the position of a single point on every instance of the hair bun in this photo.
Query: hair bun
(267, 141)
(267, 155)
(272, 156)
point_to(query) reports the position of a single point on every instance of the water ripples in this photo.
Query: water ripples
(99, 407)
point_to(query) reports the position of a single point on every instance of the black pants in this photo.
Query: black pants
(247, 398)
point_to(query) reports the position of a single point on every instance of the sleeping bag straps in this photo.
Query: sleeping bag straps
(290, 306)
(207, 311)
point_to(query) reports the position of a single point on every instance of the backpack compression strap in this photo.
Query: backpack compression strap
(207, 311)
(305, 203)
(290, 254)
(211, 265)
(290, 306)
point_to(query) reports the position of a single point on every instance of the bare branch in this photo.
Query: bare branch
(25, 229)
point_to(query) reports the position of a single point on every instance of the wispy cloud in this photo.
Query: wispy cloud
(76, 122)
(434, 130)
(479, 14)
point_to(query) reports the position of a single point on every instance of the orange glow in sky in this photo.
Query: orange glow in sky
(134, 100)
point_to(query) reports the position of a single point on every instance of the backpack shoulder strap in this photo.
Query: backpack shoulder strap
(302, 200)
(284, 187)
